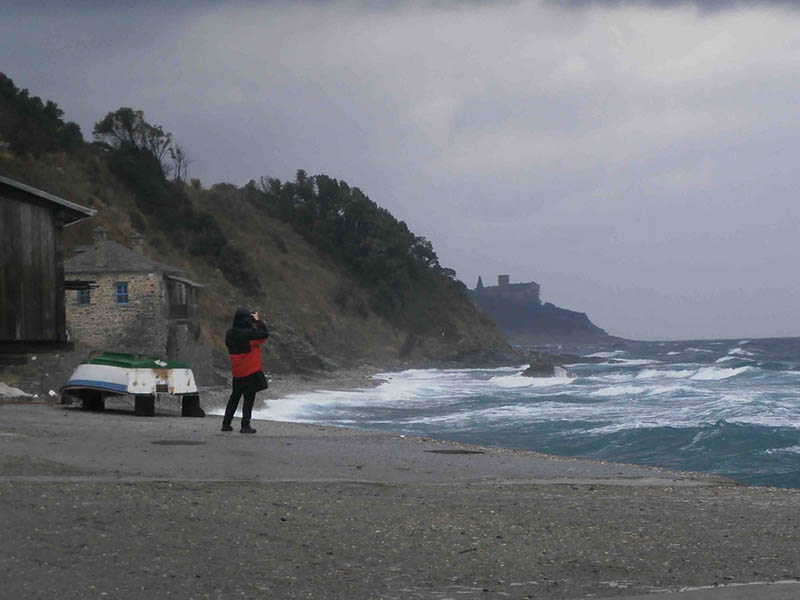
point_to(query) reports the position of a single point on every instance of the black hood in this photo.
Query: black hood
(243, 318)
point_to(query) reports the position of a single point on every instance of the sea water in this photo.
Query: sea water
(725, 407)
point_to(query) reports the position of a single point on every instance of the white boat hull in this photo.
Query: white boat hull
(124, 380)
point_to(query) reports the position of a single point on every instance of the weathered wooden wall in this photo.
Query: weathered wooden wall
(31, 270)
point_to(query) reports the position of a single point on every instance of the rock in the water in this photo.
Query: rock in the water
(540, 367)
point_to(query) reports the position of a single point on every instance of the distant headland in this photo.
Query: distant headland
(518, 311)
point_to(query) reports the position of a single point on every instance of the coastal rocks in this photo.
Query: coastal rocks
(289, 350)
(9, 393)
(540, 366)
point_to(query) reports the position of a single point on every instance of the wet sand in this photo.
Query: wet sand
(111, 505)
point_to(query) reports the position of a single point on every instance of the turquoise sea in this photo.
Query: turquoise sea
(729, 407)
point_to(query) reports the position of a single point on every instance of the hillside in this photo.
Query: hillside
(339, 281)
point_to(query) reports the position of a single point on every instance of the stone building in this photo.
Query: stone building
(133, 303)
(528, 292)
(518, 311)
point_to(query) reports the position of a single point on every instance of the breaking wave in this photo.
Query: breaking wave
(698, 406)
(717, 373)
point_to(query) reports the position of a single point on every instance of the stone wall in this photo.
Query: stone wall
(517, 291)
(139, 327)
(512, 291)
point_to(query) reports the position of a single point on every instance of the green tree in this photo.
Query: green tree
(126, 126)
(401, 269)
(32, 126)
(137, 158)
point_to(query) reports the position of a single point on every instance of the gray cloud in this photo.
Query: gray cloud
(637, 161)
(707, 5)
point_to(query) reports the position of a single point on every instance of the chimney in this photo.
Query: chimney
(100, 249)
(503, 280)
(137, 242)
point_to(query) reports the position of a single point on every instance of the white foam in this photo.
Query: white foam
(612, 397)
(413, 388)
(766, 419)
(649, 374)
(610, 354)
(673, 353)
(610, 378)
(618, 390)
(637, 361)
(522, 381)
(701, 436)
(697, 350)
(643, 423)
(404, 389)
(717, 373)
(668, 389)
(639, 390)
(658, 373)
(789, 450)
(725, 359)
(683, 373)
(641, 412)
(740, 352)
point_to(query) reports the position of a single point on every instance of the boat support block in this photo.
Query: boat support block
(145, 405)
(190, 406)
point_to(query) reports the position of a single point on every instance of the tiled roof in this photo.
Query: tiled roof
(120, 259)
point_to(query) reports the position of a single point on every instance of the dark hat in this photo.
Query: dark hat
(243, 317)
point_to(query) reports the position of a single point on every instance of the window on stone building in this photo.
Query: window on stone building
(84, 297)
(121, 292)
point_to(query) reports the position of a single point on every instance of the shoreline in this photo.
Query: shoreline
(286, 384)
(364, 378)
(169, 506)
(213, 399)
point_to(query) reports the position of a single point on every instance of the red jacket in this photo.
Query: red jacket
(248, 363)
(243, 340)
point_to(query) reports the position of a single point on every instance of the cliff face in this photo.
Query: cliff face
(521, 316)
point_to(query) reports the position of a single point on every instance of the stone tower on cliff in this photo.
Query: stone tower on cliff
(528, 291)
(518, 311)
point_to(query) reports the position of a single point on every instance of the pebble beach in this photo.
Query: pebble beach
(107, 504)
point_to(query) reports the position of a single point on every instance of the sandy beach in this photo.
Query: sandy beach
(112, 505)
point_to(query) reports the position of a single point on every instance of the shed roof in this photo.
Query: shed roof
(120, 259)
(71, 212)
(184, 280)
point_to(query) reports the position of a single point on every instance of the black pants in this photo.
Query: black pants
(233, 402)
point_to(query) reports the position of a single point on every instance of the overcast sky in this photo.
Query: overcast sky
(638, 160)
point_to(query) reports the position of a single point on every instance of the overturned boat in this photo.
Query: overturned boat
(145, 378)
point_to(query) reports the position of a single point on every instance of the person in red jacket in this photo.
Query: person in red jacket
(243, 340)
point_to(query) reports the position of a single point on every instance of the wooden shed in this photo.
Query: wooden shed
(32, 316)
